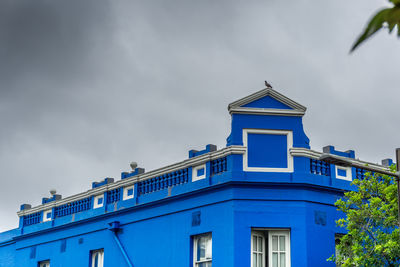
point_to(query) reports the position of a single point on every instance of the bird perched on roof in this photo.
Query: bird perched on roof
(268, 85)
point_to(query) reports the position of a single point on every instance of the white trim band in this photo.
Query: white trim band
(289, 144)
(141, 177)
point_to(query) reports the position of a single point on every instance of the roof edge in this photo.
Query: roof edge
(267, 92)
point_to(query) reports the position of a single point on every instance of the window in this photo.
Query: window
(257, 249)
(44, 263)
(270, 248)
(97, 258)
(202, 250)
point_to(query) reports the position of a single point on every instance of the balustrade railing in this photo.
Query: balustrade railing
(73, 207)
(157, 183)
(114, 195)
(218, 166)
(33, 218)
(163, 181)
(319, 167)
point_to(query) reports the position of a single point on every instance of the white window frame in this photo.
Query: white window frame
(125, 192)
(289, 145)
(194, 172)
(45, 219)
(95, 200)
(100, 253)
(287, 246)
(267, 238)
(349, 175)
(206, 260)
(45, 263)
(261, 235)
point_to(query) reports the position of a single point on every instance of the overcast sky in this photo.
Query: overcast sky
(86, 87)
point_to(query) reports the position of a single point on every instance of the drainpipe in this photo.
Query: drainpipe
(115, 228)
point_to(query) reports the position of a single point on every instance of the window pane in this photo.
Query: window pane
(96, 259)
(282, 243)
(259, 260)
(254, 259)
(209, 248)
(260, 245)
(274, 243)
(44, 264)
(201, 248)
(254, 243)
(274, 259)
(283, 260)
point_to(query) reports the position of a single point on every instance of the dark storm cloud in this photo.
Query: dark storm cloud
(50, 38)
(88, 86)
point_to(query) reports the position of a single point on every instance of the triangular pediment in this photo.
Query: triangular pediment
(269, 102)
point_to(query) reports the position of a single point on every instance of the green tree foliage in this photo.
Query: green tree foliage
(385, 18)
(372, 223)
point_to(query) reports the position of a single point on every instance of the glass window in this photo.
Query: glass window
(44, 263)
(279, 249)
(202, 250)
(270, 248)
(257, 249)
(97, 258)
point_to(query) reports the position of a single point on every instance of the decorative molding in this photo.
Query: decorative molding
(194, 172)
(308, 153)
(141, 177)
(304, 152)
(45, 214)
(96, 199)
(289, 140)
(297, 109)
(266, 111)
(125, 195)
(349, 175)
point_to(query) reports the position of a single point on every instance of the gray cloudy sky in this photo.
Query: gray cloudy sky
(88, 86)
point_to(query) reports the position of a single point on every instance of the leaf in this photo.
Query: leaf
(395, 2)
(375, 24)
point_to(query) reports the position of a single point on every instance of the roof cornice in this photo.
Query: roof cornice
(266, 111)
(138, 178)
(308, 153)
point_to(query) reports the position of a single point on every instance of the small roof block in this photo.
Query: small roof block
(267, 102)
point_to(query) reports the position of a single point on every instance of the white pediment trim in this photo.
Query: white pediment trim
(237, 106)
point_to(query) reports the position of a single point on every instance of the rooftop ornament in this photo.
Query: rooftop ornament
(133, 165)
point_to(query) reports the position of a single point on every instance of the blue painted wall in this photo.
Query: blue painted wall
(158, 224)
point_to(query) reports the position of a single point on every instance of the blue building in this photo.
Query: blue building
(263, 200)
